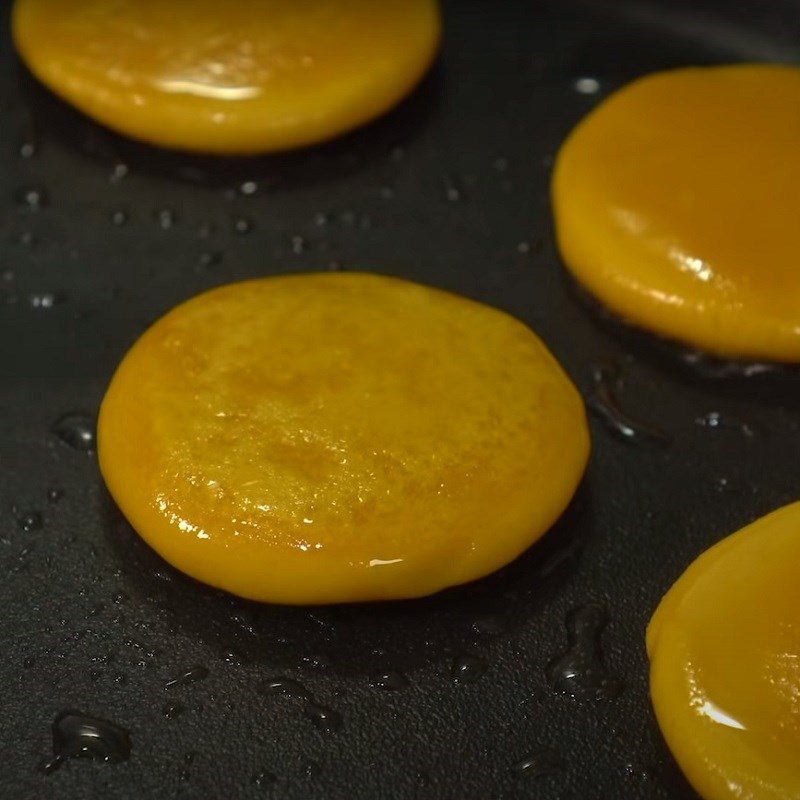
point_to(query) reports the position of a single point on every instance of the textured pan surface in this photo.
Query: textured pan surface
(451, 189)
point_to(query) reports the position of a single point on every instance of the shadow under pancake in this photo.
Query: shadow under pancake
(355, 639)
(49, 118)
(767, 382)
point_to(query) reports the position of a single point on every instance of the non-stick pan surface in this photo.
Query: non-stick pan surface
(101, 236)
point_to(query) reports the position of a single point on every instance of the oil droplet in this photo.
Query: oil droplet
(715, 420)
(324, 718)
(119, 172)
(26, 238)
(30, 521)
(8, 275)
(397, 153)
(315, 661)
(321, 219)
(389, 681)
(192, 675)
(188, 760)
(638, 773)
(75, 430)
(32, 197)
(468, 669)
(119, 218)
(489, 624)
(587, 85)
(54, 495)
(386, 192)
(172, 710)
(77, 735)
(719, 369)
(232, 657)
(288, 687)
(603, 403)
(166, 218)
(299, 245)
(27, 150)
(580, 672)
(335, 266)
(540, 763)
(453, 191)
(51, 765)
(248, 188)
(500, 164)
(243, 226)
(45, 299)
(22, 559)
(264, 778)
(207, 260)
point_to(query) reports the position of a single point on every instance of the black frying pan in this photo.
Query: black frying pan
(461, 696)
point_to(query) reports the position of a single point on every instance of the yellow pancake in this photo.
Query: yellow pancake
(676, 203)
(248, 76)
(329, 437)
(724, 647)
